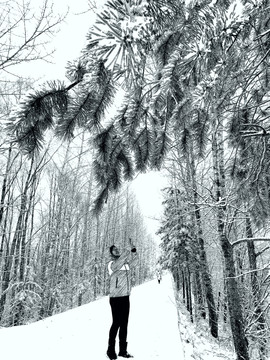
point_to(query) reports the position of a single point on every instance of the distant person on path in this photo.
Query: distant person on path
(120, 286)
(158, 277)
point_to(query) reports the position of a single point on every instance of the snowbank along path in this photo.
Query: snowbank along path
(82, 333)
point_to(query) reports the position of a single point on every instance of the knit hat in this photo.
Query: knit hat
(111, 249)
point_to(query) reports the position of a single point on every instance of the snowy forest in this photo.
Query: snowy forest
(181, 87)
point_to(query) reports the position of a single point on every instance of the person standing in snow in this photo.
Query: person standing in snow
(120, 286)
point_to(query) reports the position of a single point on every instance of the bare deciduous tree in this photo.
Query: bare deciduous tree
(26, 29)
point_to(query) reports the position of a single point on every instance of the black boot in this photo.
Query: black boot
(111, 350)
(123, 350)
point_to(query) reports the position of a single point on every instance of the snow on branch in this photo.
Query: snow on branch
(239, 241)
(266, 267)
(253, 130)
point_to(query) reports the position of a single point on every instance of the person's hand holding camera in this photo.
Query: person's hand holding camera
(133, 249)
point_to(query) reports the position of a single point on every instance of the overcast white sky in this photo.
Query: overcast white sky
(68, 42)
(148, 192)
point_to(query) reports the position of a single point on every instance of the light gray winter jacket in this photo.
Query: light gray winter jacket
(120, 274)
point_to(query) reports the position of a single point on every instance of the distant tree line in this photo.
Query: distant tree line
(54, 251)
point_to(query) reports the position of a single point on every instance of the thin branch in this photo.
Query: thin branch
(259, 253)
(239, 241)
(266, 267)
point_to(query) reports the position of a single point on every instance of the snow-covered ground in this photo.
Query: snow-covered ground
(82, 333)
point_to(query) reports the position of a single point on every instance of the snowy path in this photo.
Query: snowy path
(153, 329)
(82, 333)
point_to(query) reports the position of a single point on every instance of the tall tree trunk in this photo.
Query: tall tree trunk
(213, 317)
(198, 292)
(96, 263)
(206, 277)
(234, 301)
(183, 286)
(47, 250)
(4, 185)
(189, 294)
(258, 311)
(3, 202)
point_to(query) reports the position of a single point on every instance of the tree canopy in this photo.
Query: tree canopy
(172, 60)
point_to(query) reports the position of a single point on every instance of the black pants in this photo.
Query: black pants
(120, 313)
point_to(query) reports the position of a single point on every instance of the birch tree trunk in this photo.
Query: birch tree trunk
(12, 256)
